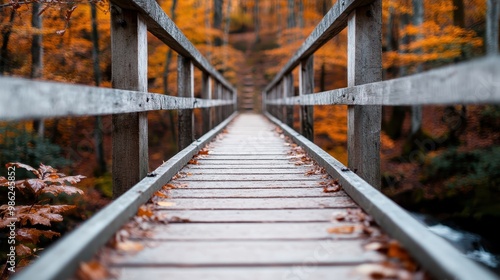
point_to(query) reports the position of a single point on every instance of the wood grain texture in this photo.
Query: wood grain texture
(52, 99)
(364, 65)
(471, 82)
(185, 88)
(206, 93)
(306, 86)
(435, 254)
(129, 71)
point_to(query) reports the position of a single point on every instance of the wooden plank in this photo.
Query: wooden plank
(250, 177)
(247, 231)
(364, 60)
(471, 82)
(301, 271)
(331, 25)
(199, 170)
(129, 71)
(306, 86)
(52, 99)
(82, 243)
(161, 26)
(254, 253)
(254, 216)
(250, 184)
(243, 162)
(248, 166)
(185, 88)
(435, 254)
(250, 193)
(260, 203)
(282, 156)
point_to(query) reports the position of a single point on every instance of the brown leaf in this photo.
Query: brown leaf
(129, 246)
(4, 182)
(176, 219)
(22, 250)
(24, 166)
(35, 184)
(169, 186)
(204, 151)
(193, 161)
(377, 271)
(144, 211)
(343, 229)
(331, 189)
(92, 270)
(58, 189)
(165, 203)
(160, 194)
(33, 235)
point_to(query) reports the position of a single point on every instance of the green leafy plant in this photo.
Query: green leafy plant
(31, 208)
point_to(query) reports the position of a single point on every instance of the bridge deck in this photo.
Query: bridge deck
(248, 210)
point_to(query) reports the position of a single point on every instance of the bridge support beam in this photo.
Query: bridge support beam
(185, 88)
(129, 71)
(306, 86)
(364, 60)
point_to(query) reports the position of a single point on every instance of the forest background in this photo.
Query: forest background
(439, 160)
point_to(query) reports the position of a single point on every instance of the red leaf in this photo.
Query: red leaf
(33, 235)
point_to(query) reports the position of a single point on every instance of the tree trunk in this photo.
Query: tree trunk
(217, 20)
(207, 27)
(37, 57)
(291, 19)
(226, 34)
(4, 52)
(98, 137)
(416, 110)
(492, 16)
(256, 21)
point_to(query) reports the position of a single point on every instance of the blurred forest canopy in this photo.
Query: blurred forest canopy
(70, 42)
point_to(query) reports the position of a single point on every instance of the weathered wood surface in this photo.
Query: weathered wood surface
(51, 99)
(129, 71)
(185, 88)
(472, 82)
(364, 65)
(82, 243)
(306, 86)
(435, 254)
(267, 218)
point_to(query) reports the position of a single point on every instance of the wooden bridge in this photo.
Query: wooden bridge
(261, 201)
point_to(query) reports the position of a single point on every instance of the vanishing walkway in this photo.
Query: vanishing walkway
(248, 210)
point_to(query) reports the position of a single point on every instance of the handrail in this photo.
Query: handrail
(51, 99)
(473, 82)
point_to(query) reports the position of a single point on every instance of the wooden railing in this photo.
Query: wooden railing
(474, 82)
(129, 101)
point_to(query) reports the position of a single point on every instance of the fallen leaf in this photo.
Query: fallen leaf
(193, 161)
(92, 270)
(165, 203)
(169, 186)
(144, 212)
(377, 271)
(22, 250)
(176, 219)
(332, 189)
(129, 246)
(204, 151)
(344, 229)
(160, 194)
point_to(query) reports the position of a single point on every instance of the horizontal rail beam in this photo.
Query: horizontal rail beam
(161, 26)
(62, 259)
(474, 82)
(438, 256)
(332, 24)
(27, 99)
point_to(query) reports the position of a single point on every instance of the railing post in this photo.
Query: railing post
(206, 93)
(306, 86)
(288, 92)
(218, 96)
(185, 87)
(129, 71)
(364, 57)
